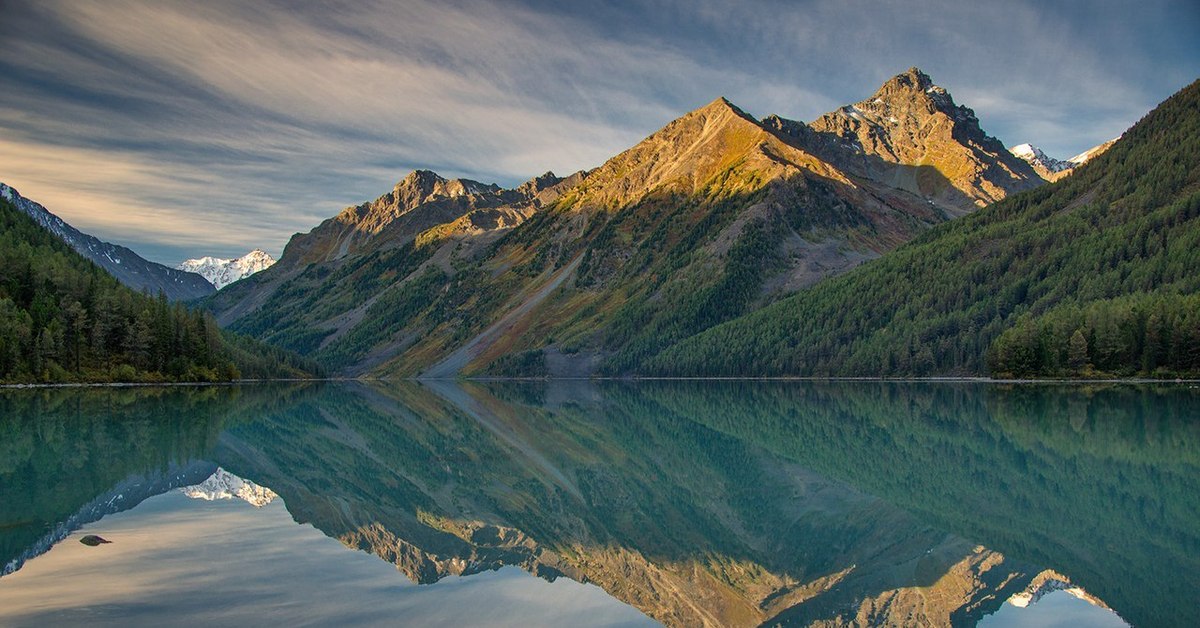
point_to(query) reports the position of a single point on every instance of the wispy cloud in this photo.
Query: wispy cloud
(208, 128)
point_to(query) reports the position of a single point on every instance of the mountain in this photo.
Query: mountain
(1094, 274)
(1047, 167)
(222, 272)
(64, 319)
(128, 267)
(912, 135)
(713, 216)
(225, 485)
(1052, 169)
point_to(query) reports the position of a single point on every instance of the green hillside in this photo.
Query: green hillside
(1111, 251)
(64, 319)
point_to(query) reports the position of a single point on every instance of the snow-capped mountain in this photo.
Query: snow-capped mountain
(1052, 169)
(128, 267)
(225, 485)
(1040, 160)
(222, 272)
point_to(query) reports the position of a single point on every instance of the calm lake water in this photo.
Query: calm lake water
(602, 504)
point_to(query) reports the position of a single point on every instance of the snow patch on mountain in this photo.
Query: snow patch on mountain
(1038, 159)
(225, 485)
(1051, 168)
(222, 272)
(1090, 153)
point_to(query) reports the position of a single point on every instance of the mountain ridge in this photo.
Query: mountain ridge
(711, 216)
(222, 272)
(127, 266)
(1052, 169)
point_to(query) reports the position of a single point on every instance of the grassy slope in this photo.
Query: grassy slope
(1126, 223)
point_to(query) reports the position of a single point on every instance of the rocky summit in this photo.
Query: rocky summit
(911, 135)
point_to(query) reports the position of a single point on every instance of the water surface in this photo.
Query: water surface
(685, 503)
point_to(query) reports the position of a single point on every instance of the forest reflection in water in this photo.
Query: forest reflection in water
(726, 503)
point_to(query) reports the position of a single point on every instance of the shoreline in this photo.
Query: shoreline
(914, 380)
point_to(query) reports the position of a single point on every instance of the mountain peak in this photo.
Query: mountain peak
(722, 106)
(1041, 162)
(422, 177)
(914, 78)
(1052, 169)
(914, 86)
(222, 272)
(911, 121)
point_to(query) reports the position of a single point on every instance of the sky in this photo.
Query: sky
(183, 129)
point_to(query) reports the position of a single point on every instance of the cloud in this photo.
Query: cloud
(210, 128)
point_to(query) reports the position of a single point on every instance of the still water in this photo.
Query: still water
(602, 504)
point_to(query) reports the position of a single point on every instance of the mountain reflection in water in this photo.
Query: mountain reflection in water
(720, 503)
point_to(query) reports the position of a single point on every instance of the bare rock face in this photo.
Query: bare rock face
(910, 134)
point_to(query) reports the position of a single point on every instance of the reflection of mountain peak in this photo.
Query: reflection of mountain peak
(1048, 582)
(225, 485)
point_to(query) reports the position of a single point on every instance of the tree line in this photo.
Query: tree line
(64, 319)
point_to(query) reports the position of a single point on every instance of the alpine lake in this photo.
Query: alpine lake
(603, 503)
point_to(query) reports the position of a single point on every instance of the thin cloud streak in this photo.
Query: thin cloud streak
(212, 128)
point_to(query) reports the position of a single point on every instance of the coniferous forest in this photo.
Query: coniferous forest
(1096, 275)
(64, 319)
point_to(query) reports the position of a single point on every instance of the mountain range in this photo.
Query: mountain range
(1092, 275)
(222, 272)
(1052, 169)
(714, 216)
(128, 267)
(715, 245)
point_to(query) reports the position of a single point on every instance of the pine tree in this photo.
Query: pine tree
(1077, 352)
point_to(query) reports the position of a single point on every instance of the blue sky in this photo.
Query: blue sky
(209, 128)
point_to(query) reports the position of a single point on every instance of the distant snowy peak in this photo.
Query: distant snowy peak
(225, 485)
(1039, 160)
(1051, 168)
(222, 272)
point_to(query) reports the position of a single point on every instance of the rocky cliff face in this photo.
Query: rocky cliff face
(128, 267)
(912, 135)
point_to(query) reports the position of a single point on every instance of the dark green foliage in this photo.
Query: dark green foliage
(1126, 223)
(1138, 335)
(64, 319)
(644, 327)
(531, 363)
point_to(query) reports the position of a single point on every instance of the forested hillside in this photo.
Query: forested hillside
(1111, 252)
(64, 319)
